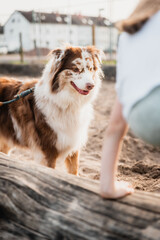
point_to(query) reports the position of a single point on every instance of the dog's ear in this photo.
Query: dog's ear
(98, 54)
(59, 57)
(57, 53)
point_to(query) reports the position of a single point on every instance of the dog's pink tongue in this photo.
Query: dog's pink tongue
(84, 92)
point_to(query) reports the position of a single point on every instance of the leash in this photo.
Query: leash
(18, 96)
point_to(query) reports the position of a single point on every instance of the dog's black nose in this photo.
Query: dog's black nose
(89, 86)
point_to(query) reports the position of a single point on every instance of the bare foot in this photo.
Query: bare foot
(120, 189)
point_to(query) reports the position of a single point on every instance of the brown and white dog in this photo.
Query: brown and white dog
(53, 121)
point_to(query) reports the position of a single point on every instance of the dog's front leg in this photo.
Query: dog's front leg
(72, 163)
(4, 147)
(51, 156)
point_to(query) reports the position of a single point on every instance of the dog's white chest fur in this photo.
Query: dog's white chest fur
(70, 124)
(72, 131)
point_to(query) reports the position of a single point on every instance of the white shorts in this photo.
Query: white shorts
(144, 118)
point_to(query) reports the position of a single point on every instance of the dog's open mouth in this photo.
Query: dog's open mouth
(83, 92)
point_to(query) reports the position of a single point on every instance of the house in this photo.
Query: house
(51, 30)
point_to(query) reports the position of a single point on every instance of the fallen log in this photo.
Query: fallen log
(38, 203)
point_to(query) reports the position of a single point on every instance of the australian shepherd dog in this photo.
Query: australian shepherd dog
(53, 120)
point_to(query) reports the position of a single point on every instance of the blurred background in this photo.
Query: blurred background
(30, 29)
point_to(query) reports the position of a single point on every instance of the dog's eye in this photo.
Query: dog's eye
(76, 69)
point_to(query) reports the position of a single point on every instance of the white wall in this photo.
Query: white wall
(103, 38)
(50, 35)
(15, 25)
(2, 40)
(54, 35)
(84, 35)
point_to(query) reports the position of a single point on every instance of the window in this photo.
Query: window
(67, 19)
(107, 22)
(84, 20)
(58, 19)
(90, 22)
(43, 17)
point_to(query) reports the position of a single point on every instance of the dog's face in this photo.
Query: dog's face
(75, 69)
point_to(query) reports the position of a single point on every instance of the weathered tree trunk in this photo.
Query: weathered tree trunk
(40, 203)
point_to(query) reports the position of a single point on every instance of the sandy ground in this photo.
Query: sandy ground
(139, 163)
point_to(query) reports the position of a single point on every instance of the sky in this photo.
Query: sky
(112, 9)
